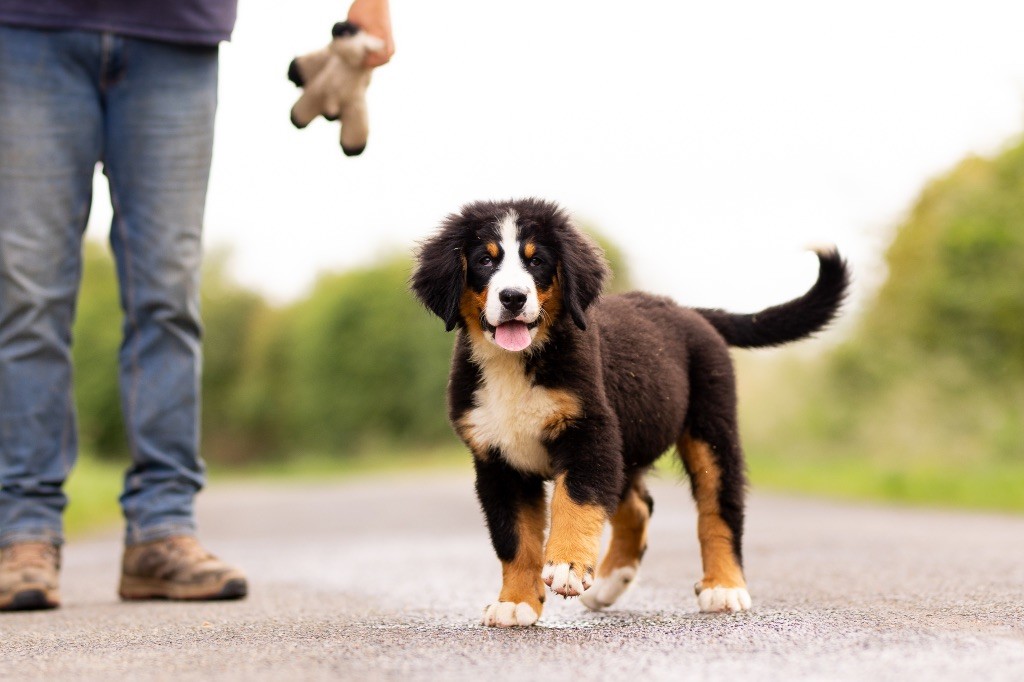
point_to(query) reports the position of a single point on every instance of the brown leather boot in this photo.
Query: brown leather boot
(178, 568)
(28, 576)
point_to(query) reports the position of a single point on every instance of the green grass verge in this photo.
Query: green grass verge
(313, 466)
(95, 484)
(92, 490)
(980, 486)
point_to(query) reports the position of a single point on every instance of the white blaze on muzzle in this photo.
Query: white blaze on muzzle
(514, 329)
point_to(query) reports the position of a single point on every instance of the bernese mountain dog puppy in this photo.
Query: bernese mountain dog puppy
(551, 382)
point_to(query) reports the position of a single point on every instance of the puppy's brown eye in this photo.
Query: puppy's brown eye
(535, 262)
(486, 261)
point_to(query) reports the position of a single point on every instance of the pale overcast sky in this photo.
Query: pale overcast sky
(712, 141)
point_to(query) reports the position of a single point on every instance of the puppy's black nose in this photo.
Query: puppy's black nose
(512, 299)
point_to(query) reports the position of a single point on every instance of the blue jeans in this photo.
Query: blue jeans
(145, 110)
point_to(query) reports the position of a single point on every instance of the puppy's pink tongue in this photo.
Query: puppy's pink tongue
(514, 336)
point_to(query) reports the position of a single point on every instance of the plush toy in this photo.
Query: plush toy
(334, 82)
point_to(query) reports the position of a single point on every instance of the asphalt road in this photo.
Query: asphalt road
(386, 579)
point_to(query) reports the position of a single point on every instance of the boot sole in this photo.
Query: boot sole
(33, 599)
(134, 589)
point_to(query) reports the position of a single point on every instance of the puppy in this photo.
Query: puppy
(550, 382)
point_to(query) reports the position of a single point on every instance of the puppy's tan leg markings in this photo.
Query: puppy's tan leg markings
(622, 561)
(722, 587)
(629, 533)
(522, 592)
(573, 544)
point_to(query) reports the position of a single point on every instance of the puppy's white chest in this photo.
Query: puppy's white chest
(511, 415)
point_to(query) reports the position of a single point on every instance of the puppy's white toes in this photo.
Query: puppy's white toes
(721, 599)
(507, 614)
(564, 579)
(608, 589)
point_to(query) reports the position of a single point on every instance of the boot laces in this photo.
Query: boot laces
(188, 548)
(29, 554)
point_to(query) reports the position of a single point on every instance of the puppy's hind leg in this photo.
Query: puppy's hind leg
(716, 477)
(629, 542)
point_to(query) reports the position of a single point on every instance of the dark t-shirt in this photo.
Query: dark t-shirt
(195, 22)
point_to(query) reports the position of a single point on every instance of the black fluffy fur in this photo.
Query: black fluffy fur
(645, 370)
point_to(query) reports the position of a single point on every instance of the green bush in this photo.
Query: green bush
(96, 339)
(930, 386)
(365, 363)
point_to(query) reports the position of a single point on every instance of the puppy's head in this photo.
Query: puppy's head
(506, 271)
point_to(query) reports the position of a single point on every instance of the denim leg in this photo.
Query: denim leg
(50, 140)
(159, 130)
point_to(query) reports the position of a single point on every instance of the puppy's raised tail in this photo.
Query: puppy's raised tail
(794, 319)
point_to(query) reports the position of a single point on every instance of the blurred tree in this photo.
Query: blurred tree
(96, 339)
(232, 320)
(955, 282)
(365, 363)
(934, 372)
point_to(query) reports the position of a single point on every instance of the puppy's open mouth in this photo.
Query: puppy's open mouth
(513, 335)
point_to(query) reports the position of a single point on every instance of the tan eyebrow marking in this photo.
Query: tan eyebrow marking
(492, 248)
(529, 250)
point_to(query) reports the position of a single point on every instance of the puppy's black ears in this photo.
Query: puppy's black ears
(440, 274)
(583, 271)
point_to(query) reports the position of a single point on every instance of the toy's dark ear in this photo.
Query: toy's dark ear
(440, 274)
(343, 29)
(583, 273)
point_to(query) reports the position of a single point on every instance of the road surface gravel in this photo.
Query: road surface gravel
(385, 578)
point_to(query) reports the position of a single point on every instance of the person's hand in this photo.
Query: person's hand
(374, 17)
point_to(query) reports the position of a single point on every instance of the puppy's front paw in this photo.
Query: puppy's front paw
(567, 579)
(507, 614)
(609, 588)
(720, 599)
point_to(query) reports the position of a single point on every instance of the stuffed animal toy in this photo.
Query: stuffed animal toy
(334, 82)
